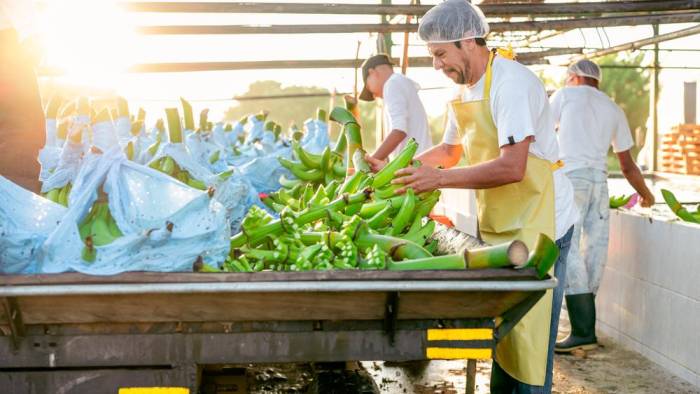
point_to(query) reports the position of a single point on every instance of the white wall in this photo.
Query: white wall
(649, 298)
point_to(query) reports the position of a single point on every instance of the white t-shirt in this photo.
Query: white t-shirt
(589, 121)
(404, 111)
(520, 109)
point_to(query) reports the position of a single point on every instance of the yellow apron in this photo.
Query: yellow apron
(521, 211)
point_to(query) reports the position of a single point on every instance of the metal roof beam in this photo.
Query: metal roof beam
(539, 25)
(495, 10)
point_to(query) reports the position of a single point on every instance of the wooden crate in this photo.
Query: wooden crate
(679, 151)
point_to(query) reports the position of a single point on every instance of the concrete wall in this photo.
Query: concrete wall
(649, 298)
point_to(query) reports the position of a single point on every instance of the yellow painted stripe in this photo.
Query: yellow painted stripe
(155, 390)
(459, 334)
(441, 353)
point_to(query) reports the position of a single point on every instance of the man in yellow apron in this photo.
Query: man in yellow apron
(512, 155)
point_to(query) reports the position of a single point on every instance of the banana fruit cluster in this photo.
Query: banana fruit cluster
(168, 166)
(98, 228)
(60, 195)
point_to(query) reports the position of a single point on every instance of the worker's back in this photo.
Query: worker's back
(589, 121)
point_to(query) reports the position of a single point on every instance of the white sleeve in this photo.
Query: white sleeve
(451, 135)
(396, 106)
(515, 106)
(555, 103)
(622, 139)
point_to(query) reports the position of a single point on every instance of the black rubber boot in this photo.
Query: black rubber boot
(581, 308)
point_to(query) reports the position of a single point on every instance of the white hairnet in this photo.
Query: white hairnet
(586, 68)
(453, 20)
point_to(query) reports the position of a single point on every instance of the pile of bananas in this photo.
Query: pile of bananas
(98, 228)
(358, 223)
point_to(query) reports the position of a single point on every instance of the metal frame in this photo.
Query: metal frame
(113, 352)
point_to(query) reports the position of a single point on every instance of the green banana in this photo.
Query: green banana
(214, 157)
(379, 219)
(182, 176)
(386, 174)
(677, 208)
(168, 166)
(63, 195)
(156, 164)
(405, 213)
(288, 183)
(310, 160)
(422, 234)
(299, 171)
(53, 194)
(387, 191)
(617, 202)
(197, 184)
(352, 183)
(223, 176)
(153, 148)
(129, 150)
(101, 234)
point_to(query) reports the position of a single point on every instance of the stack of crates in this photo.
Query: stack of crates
(680, 150)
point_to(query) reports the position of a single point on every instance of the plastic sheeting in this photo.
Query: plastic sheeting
(142, 201)
(26, 220)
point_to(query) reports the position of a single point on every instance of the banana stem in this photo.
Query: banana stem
(544, 256)
(122, 107)
(174, 126)
(187, 114)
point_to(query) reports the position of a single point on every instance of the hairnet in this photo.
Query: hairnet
(453, 20)
(585, 68)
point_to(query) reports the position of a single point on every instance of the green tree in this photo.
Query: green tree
(629, 88)
(294, 108)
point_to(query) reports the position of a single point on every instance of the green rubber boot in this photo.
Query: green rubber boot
(581, 308)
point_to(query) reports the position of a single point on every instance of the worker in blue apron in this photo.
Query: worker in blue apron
(501, 121)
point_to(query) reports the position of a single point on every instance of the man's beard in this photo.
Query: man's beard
(458, 76)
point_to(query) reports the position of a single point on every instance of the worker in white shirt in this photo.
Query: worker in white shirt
(589, 122)
(404, 113)
(501, 121)
(22, 121)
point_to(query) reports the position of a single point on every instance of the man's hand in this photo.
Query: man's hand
(375, 164)
(420, 179)
(646, 200)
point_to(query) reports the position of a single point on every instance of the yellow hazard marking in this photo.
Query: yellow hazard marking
(442, 353)
(459, 334)
(155, 390)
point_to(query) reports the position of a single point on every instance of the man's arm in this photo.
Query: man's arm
(509, 167)
(634, 177)
(389, 144)
(442, 155)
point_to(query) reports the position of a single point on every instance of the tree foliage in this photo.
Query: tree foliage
(285, 110)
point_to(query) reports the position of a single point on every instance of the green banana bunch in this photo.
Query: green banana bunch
(167, 165)
(98, 228)
(59, 195)
(619, 201)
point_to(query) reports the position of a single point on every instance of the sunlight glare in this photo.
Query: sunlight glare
(90, 40)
